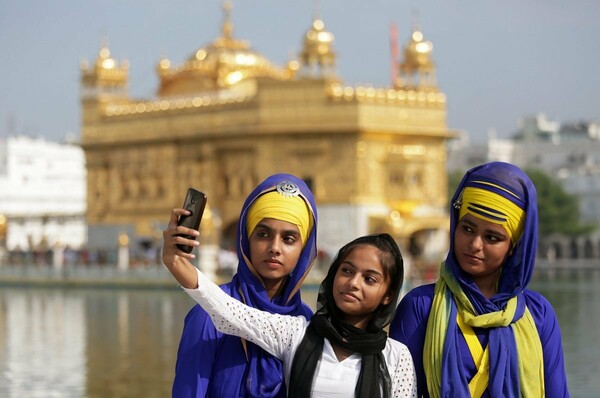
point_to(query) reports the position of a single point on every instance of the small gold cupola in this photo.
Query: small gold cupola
(417, 69)
(106, 79)
(318, 57)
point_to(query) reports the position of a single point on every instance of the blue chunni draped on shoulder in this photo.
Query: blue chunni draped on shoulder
(518, 267)
(517, 326)
(505, 367)
(212, 364)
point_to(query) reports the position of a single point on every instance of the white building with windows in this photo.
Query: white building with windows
(43, 194)
(570, 152)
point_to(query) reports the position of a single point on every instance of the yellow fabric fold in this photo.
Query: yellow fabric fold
(481, 357)
(492, 319)
(530, 355)
(435, 337)
(493, 208)
(531, 361)
(292, 209)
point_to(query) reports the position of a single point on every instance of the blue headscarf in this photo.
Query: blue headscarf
(517, 269)
(264, 373)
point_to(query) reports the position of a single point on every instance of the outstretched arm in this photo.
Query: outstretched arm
(275, 333)
(177, 261)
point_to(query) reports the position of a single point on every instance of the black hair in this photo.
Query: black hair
(393, 269)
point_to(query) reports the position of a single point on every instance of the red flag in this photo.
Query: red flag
(394, 52)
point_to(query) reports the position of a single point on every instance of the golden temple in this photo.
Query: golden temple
(227, 118)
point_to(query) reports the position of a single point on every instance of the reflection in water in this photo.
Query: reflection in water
(577, 305)
(134, 354)
(101, 343)
(43, 344)
(89, 343)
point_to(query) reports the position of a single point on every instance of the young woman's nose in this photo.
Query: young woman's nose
(353, 281)
(274, 247)
(477, 242)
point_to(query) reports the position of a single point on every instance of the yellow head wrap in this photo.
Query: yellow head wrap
(290, 209)
(494, 208)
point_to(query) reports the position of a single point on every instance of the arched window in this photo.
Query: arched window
(557, 250)
(588, 249)
(574, 251)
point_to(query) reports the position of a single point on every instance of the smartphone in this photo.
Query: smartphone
(195, 201)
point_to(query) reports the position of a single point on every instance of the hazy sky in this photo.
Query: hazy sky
(497, 61)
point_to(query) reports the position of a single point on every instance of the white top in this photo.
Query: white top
(280, 335)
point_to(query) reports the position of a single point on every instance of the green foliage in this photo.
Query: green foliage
(558, 211)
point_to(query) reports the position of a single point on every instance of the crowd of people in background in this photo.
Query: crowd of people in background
(81, 257)
(144, 255)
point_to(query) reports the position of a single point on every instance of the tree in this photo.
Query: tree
(558, 211)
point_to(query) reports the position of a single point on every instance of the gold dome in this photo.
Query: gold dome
(318, 46)
(417, 53)
(105, 71)
(104, 62)
(223, 63)
(417, 69)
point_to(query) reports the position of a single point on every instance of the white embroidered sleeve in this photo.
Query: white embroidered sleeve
(404, 379)
(273, 332)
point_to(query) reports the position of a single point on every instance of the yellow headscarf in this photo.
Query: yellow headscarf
(286, 208)
(494, 208)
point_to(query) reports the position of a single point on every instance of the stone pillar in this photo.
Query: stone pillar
(123, 255)
(3, 228)
(58, 256)
(208, 260)
(208, 252)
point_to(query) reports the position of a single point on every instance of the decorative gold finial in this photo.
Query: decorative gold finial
(317, 56)
(227, 24)
(417, 70)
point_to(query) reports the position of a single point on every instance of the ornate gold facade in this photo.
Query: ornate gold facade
(227, 118)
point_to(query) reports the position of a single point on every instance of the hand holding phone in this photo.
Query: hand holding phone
(194, 202)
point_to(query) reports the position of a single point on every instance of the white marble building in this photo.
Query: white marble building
(43, 195)
(569, 152)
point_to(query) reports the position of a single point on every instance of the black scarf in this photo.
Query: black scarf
(374, 379)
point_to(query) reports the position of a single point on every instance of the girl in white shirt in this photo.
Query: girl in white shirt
(343, 350)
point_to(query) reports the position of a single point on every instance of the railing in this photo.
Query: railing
(569, 263)
(157, 276)
(567, 267)
(87, 275)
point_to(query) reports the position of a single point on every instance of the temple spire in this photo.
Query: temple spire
(227, 28)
